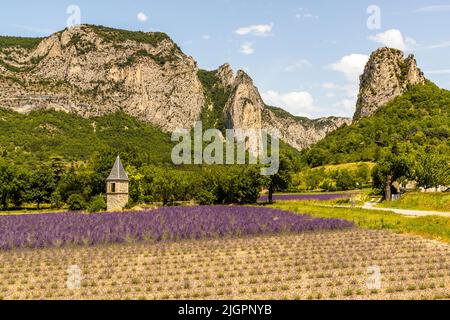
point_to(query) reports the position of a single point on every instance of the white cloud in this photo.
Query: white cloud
(299, 65)
(350, 89)
(329, 85)
(298, 103)
(352, 66)
(34, 29)
(260, 30)
(433, 9)
(344, 107)
(442, 71)
(142, 17)
(443, 44)
(303, 13)
(247, 48)
(393, 38)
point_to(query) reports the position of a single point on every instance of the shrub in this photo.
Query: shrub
(76, 202)
(56, 200)
(97, 204)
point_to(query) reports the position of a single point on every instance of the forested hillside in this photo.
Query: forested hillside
(416, 122)
(40, 135)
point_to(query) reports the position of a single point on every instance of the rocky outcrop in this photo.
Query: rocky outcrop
(301, 133)
(243, 111)
(225, 75)
(246, 109)
(387, 75)
(93, 70)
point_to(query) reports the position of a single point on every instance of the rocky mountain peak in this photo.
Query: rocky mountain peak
(244, 107)
(94, 70)
(225, 75)
(387, 75)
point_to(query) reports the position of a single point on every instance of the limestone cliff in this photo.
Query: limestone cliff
(300, 132)
(246, 109)
(94, 70)
(387, 75)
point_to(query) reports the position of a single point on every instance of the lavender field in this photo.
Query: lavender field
(164, 224)
(317, 265)
(300, 197)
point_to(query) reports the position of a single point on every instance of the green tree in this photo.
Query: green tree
(7, 182)
(97, 204)
(345, 180)
(282, 179)
(362, 174)
(42, 186)
(432, 170)
(20, 185)
(391, 168)
(166, 185)
(100, 167)
(76, 202)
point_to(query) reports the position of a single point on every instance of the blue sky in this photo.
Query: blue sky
(304, 56)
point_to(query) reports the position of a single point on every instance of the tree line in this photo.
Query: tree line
(83, 186)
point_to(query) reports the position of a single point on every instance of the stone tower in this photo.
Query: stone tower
(117, 187)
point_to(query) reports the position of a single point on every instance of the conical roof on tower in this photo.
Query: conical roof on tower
(118, 172)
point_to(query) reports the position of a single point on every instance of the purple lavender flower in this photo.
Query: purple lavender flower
(168, 223)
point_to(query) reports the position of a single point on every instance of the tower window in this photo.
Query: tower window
(113, 187)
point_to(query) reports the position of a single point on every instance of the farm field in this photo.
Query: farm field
(318, 265)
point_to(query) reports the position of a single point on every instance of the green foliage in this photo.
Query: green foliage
(42, 185)
(204, 185)
(439, 201)
(119, 35)
(282, 179)
(30, 139)
(76, 202)
(432, 171)
(97, 204)
(165, 185)
(418, 120)
(394, 166)
(337, 178)
(56, 201)
(345, 180)
(217, 96)
(26, 43)
(7, 183)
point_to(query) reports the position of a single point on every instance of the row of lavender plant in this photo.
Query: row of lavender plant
(169, 223)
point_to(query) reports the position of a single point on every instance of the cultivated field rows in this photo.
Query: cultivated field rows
(320, 265)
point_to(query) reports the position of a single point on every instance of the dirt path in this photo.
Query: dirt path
(406, 212)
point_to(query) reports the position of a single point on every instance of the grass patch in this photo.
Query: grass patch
(431, 227)
(421, 201)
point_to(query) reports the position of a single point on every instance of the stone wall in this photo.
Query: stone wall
(118, 200)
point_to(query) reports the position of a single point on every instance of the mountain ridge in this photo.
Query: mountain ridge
(95, 70)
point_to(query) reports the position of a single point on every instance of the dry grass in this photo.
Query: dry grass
(330, 265)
